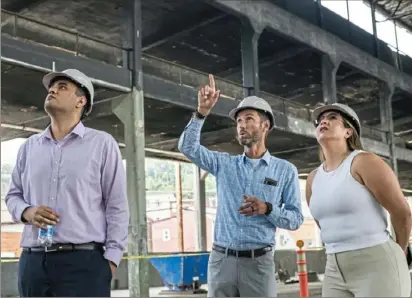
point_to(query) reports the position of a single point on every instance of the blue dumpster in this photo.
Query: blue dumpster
(178, 271)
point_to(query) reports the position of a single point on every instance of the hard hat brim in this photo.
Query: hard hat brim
(320, 110)
(48, 78)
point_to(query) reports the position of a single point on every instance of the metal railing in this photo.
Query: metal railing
(77, 43)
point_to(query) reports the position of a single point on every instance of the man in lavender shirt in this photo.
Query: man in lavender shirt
(72, 177)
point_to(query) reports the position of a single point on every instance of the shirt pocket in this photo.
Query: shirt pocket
(271, 194)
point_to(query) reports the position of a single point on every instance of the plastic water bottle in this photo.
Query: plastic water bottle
(46, 236)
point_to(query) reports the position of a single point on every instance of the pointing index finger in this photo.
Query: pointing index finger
(212, 82)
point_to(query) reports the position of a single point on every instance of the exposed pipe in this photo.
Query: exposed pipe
(45, 69)
(21, 127)
(401, 133)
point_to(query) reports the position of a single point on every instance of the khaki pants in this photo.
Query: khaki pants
(377, 271)
(229, 276)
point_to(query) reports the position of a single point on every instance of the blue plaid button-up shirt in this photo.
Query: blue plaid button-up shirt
(235, 177)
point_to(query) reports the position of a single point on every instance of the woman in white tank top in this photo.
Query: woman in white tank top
(348, 195)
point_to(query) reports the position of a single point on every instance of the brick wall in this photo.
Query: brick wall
(10, 242)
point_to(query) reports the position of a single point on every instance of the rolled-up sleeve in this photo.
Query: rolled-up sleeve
(115, 197)
(189, 145)
(14, 199)
(289, 216)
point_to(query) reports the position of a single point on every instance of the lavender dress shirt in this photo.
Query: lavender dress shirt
(83, 179)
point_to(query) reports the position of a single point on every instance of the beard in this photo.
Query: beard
(249, 139)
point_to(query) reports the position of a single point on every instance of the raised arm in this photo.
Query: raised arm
(370, 170)
(189, 142)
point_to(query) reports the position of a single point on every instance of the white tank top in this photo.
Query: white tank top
(348, 214)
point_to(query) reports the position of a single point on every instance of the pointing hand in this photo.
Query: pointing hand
(207, 97)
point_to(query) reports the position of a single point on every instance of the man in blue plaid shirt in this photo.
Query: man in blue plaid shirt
(256, 192)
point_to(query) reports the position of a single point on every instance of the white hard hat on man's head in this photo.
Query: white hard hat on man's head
(255, 103)
(343, 109)
(76, 76)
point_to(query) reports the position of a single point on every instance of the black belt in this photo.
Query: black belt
(253, 253)
(65, 247)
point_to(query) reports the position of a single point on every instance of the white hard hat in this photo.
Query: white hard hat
(255, 103)
(76, 76)
(344, 109)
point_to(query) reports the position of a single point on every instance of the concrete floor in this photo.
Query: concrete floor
(285, 291)
(291, 290)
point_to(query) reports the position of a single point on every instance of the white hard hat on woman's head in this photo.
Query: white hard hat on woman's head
(343, 109)
(255, 103)
(76, 76)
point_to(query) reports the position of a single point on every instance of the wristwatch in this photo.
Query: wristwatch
(269, 208)
(197, 115)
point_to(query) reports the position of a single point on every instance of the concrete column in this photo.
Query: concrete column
(329, 67)
(179, 207)
(131, 112)
(385, 105)
(375, 32)
(319, 14)
(199, 190)
(250, 57)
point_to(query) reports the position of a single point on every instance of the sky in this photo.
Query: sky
(359, 14)
(9, 150)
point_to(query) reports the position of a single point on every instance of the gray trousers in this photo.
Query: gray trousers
(229, 276)
(377, 271)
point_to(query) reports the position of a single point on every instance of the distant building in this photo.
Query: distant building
(163, 226)
(164, 233)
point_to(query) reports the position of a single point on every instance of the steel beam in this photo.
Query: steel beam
(285, 23)
(402, 121)
(374, 29)
(330, 66)
(172, 35)
(282, 55)
(385, 105)
(131, 112)
(250, 57)
(41, 57)
(182, 95)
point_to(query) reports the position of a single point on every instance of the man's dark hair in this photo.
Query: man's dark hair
(263, 116)
(81, 92)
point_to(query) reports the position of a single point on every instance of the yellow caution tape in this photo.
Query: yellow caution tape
(9, 260)
(135, 257)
